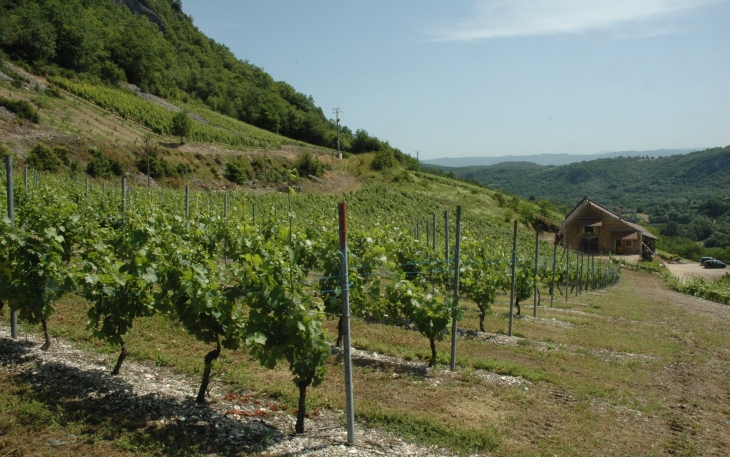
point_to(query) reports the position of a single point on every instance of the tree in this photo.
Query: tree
(700, 228)
(22, 108)
(363, 142)
(670, 229)
(383, 159)
(27, 35)
(181, 125)
(238, 170)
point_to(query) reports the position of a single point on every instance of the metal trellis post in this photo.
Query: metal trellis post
(567, 268)
(552, 282)
(446, 239)
(455, 303)
(124, 200)
(512, 293)
(344, 284)
(225, 217)
(187, 201)
(433, 228)
(537, 259)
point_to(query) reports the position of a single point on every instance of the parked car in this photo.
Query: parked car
(712, 263)
(705, 259)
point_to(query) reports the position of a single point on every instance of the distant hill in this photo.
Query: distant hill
(629, 181)
(549, 159)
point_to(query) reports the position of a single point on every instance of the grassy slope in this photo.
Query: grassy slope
(77, 123)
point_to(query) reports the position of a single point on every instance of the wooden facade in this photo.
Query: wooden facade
(591, 227)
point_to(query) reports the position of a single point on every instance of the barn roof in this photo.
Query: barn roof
(588, 202)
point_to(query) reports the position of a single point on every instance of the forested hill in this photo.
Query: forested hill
(630, 181)
(154, 45)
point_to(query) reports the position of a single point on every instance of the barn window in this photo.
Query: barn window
(628, 243)
(590, 229)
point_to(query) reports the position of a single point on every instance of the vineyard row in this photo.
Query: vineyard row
(263, 271)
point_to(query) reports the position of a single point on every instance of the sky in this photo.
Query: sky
(496, 77)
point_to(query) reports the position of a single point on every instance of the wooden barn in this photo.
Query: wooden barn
(591, 227)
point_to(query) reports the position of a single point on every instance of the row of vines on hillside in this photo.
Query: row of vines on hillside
(254, 270)
(220, 129)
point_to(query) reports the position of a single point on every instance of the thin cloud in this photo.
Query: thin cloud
(523, 18)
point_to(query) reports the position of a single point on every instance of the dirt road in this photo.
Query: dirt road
(687, 270)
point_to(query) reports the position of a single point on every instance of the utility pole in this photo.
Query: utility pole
(337, 118)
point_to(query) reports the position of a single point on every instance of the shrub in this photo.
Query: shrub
(101, 166)
(159, 167)
(403, 176)
(183, 169)
(383, 159)
(509, 215)
(683, 247)
(527, 211)
(63, 154)
(42, 158)
(499, 197)
(22, 108)
(307, 165)
(238, 171)
(258, 163)
(4, 152)
(52, 91)
(117, 169)
(271, 168)
(543, 208)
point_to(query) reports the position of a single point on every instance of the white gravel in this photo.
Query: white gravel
(236, 422)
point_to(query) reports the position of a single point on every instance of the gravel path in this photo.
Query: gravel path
(685, 271)
(232, 423)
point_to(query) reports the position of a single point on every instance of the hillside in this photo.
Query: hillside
(153, 45)
(628, 181)
(103, 133)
